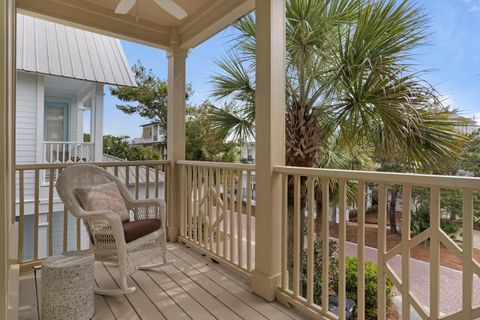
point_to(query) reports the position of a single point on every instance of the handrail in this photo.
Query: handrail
(219, 165)
(41, 166)
(385, 177)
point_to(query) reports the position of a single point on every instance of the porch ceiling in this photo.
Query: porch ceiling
(154, 26)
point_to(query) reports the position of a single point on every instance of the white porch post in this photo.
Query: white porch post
(97, 114)
(270, 143)
(175, 133)
(7, 151)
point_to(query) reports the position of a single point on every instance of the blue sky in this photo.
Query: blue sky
(453, 55)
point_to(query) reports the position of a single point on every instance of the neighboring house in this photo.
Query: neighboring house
(247, 153)
(61, 73)
(152, 135)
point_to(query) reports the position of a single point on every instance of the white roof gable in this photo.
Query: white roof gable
(55, 49)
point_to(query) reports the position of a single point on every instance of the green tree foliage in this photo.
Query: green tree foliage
(200, 143)
(470, 158)
(120, 148)
(148, 99)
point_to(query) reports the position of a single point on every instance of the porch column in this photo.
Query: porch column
(7, 152)
(175, 133)
(97, 114)
(270, 143)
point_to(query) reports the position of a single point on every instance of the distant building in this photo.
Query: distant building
(470, 127)
(153, 135)
(247, 153)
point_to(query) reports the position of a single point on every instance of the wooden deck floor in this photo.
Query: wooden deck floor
(190, 288)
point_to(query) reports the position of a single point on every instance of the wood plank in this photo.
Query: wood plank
(225, 280)
(119, 305)
(139, 301)
(197, 276)
(160, 298)
(218, 309)
(102, 310)
(181, 298)
(227, 298)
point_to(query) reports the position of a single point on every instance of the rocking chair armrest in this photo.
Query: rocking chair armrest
(112, 220)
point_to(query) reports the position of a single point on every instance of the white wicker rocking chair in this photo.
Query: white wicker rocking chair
(105, 227)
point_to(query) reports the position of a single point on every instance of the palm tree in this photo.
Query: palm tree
(350, 74)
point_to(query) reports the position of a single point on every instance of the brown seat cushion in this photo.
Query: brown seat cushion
(133, 230)
(103, 197)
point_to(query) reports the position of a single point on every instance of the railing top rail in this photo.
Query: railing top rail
(385, 177)
(100, 164)
(66, 142)
(220, 165)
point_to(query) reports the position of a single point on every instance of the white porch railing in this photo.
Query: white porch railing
(313, 187)
(217, 211)
(46, 228)
(68, 152)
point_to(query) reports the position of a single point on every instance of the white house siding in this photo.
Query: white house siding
(26, 123)
(26, 126)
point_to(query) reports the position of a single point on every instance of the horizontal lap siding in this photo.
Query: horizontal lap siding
(26, 126)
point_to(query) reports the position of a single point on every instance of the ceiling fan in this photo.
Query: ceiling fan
(124, 6)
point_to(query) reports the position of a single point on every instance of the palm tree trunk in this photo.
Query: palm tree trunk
(392, 210)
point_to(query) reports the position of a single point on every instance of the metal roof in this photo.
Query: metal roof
(55, 49)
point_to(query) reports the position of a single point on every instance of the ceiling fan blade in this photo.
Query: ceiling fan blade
(124, 6)
(172, 8)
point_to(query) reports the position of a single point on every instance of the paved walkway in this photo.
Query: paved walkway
(450, 280)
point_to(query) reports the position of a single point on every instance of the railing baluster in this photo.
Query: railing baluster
(310, 239)
(202, 207)
(50, 213)
(190, 202)
(127, 177)
(361, 251)
(406, 207)
(467, 231)
(79, 235)
(434, 253)
(137, 181)
(224, 211)
(156, 182)
(325, 241)
(285, 285)
(218, 209)
(36, 213)
(21, 225)
(210, 208)
(231, 221)
(249, 220)
(147, 182)
(240, 217)
(195, 202)
(65, 229)
(296, 235)
(382, 246)
(342, 206)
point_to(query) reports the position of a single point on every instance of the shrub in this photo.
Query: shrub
(371, 274)
(421, 221)
(317, 272)
(373, 209)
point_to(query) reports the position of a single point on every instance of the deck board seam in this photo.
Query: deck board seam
(106, 303)
(186, 292)
(127, 296)
(215, 297)
(193, 254)
(211, 295)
